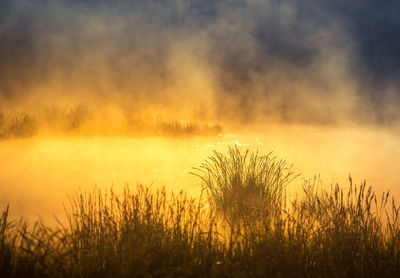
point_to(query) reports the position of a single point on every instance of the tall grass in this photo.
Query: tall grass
(139, 234)
(327, 232)
(245, 187)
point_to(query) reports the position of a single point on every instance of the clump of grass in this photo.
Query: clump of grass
(188, 129)
(245, 187)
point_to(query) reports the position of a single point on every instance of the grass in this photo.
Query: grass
(244, 188)
(83, 121)
(188, 129)
(327, 232)
(17, 125)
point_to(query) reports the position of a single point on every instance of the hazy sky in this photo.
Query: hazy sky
(304, 61)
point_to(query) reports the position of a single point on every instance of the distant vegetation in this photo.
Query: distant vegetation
(177, 129)
(142, 233)
(17, 125)
(82, 121)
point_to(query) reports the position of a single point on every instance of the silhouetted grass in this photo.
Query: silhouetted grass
(83, 121)
(177, 129)
(246, 187)
(17, 125)
(328, 232)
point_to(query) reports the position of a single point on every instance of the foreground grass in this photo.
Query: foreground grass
(153, 234)
(142, 233)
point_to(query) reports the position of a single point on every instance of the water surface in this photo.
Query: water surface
(37, 174)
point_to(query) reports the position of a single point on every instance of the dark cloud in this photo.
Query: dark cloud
(303, 61)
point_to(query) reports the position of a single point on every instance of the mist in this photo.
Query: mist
(229, 62)
(103, 92)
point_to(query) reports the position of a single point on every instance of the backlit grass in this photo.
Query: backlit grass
(325, 232)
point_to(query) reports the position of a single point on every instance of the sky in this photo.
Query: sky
(243, 61)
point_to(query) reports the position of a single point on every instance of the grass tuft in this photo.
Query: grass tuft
(245, 187)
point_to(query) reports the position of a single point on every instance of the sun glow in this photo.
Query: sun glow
(38, 172)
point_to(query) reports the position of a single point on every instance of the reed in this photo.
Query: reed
(245, 187)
